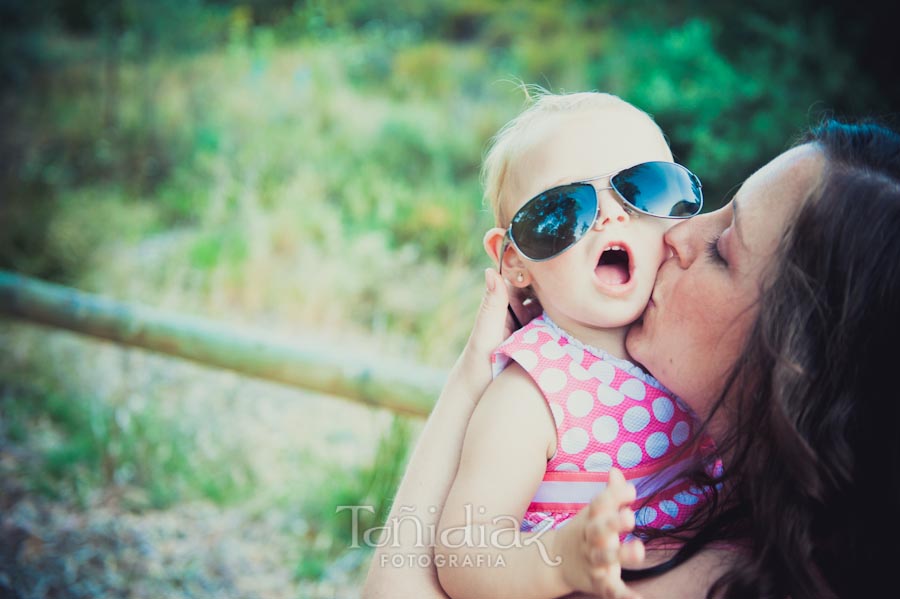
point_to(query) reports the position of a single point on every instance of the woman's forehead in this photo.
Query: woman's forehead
(771, 197)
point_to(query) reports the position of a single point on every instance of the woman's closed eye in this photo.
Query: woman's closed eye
(712, 250)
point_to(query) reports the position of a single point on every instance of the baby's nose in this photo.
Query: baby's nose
(610, 209)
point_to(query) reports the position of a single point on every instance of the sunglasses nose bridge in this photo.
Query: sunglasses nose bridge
(620, 203)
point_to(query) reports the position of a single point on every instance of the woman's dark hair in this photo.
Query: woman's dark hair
(812, 473)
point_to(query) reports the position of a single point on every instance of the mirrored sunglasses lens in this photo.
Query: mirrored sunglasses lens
(661, 188)
(553, 221)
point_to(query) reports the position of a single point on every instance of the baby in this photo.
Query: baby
(583, 189)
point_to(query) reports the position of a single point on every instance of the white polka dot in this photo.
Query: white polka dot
(667, 527)
(605, 429)
(566, 467)
(578, 372)
(552, 380)
(530, 336)
(604, 371)
(663, 409)
(634, 389)
(609, 396)
(695, 490)
(574, 440)
(575, 352)
(680, 433)
(669, 507)
(686, 498)
(526, 358)
(552, 351)
(636, 419)
(644, 516)
(580, 403)
(656, 444)
(598, 462)
(558, 415)
(629, 455)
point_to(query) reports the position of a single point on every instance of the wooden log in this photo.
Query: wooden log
(396, 385)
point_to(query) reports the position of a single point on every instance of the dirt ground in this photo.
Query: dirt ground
(55, 549)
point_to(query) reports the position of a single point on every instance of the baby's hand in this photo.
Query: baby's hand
(598, 555)
(609, 517)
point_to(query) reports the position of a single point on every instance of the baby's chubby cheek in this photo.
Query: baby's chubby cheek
(651, 240)
(654, 256)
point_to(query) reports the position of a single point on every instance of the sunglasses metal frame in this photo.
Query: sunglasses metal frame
(626, 204)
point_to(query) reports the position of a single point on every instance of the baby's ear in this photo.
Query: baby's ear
(493, 243)
(512, 262)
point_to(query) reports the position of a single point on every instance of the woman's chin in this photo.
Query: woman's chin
(634, 342)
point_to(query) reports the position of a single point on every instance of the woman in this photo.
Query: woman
(774, 320)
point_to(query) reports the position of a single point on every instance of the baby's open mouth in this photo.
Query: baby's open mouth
(613, 267)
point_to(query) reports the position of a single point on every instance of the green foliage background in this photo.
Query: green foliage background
(313, 165)
(387, 106)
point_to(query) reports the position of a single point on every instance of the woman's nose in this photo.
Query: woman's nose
(610, 209)
(679, 242)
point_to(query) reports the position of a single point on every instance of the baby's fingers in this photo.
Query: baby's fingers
(602, 537)
(618, 493)
(622, 492)
(609, 551)
(604, 550)
(607, 522)
(631, 555)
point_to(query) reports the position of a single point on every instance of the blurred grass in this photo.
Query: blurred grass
(290, 172)
(87, 445)
(82, 446)
(328, 537)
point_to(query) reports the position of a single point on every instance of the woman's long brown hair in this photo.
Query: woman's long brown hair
(811, 490)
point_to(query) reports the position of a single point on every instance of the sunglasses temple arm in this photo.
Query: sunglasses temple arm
(517, 324)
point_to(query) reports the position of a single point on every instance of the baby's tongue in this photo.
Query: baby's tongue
(612, 274)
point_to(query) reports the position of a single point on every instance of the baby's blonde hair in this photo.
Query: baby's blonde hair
(511, 141)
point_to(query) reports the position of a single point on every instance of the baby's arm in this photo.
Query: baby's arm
(433, 463)
(508, 441)
(509, 438)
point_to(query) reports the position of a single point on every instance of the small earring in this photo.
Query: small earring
(520, 278)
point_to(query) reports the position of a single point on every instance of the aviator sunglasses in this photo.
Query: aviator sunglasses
(554, 220)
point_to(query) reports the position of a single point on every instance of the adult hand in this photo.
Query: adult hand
(493, 325)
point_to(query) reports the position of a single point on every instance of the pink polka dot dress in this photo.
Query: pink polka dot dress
(608, 413)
